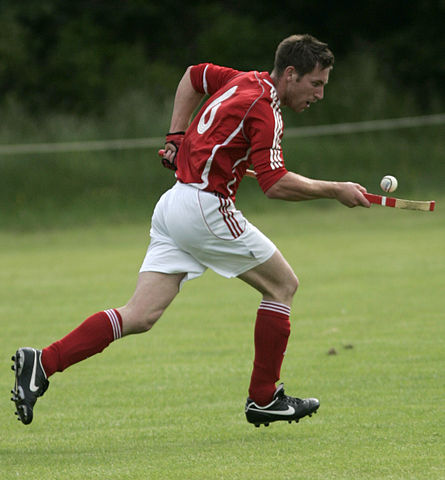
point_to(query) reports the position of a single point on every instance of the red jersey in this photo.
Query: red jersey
(240, 125)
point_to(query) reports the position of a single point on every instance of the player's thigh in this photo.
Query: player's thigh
(154, 292)
(274, 278)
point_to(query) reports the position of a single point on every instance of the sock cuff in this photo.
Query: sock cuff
(275, 307)
(116, 322)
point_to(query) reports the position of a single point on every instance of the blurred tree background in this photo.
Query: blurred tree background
(81, 56)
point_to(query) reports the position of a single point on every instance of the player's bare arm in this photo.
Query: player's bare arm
(186, 101)
(295, 187)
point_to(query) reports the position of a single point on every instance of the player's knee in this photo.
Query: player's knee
(285, 290)
(292, 286)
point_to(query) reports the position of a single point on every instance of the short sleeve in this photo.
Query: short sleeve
(208, 78)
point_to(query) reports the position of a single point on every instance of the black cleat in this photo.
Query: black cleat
(30, 382)
(282, 407)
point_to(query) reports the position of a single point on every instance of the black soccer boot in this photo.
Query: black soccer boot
(281, 408)
(30, 382)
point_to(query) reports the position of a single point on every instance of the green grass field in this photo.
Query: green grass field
(169, 404)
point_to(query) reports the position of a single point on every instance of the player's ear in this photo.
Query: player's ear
(291, 74)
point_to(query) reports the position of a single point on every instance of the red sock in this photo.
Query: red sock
(89, 338)
(272, 330)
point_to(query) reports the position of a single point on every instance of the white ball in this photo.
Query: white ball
(388, 183)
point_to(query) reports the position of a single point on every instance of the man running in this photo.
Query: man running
(195, 224)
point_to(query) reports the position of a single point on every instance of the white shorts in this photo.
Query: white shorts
(193, 230)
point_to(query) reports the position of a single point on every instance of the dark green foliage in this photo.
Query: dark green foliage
(78, 56)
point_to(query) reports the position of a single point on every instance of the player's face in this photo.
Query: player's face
(300, 92)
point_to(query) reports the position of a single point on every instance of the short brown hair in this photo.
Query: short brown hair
(303, 52)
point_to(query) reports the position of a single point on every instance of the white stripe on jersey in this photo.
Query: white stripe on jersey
(204, 80)
(275, 157)
(208, 165)
(243, 159)
(274, 307)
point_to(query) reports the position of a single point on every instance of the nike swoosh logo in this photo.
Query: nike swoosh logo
(290, 411)
(32, 384)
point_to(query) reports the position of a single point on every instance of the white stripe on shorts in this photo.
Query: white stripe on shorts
(116, 326)
(275, 307)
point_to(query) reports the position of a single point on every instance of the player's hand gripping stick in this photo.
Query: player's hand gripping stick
(173, 139)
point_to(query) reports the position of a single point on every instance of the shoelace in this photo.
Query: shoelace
(290, 400)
